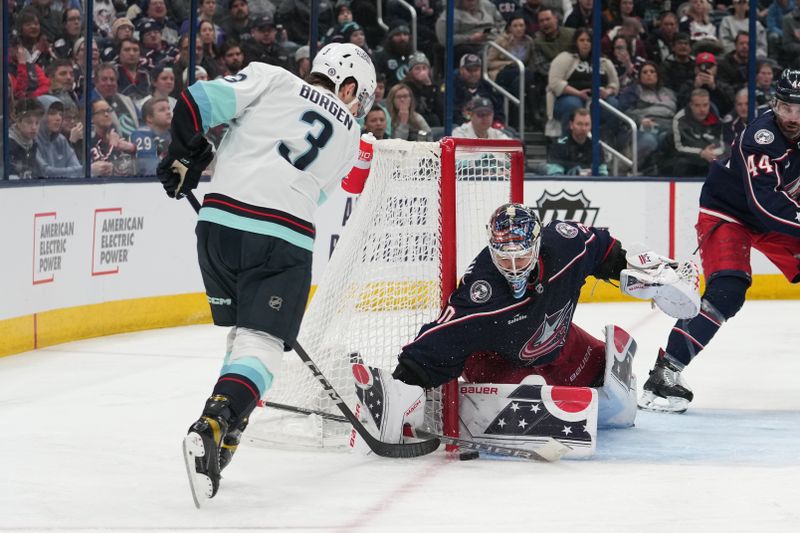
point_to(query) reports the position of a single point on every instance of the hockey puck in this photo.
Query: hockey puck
(468, 456)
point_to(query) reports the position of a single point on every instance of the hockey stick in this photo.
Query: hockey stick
(549, 452)
(383, 449)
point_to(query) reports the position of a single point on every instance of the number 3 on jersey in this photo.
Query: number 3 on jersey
(762, 167)
(315, 143)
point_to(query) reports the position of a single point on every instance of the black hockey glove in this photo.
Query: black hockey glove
(181, 175)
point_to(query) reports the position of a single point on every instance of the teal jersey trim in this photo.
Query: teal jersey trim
(253, 369)
(217, 216)
(216, 102)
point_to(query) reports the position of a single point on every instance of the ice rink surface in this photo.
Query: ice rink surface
(91, 435)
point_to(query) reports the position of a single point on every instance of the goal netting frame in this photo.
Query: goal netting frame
(415, 228)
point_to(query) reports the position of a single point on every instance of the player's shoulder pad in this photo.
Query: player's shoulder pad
(764, 137)
(481, 285)
(562, 241)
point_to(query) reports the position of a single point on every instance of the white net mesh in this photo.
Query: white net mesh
(382, 283)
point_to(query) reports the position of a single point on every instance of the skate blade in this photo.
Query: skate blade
(200, 484)
(657, 404)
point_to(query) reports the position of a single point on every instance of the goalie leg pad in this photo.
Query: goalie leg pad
(618, 394)
(388, 406)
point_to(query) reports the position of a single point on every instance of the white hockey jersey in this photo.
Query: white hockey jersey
(289, 144)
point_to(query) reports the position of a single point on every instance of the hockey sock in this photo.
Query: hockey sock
(723, 298)
(242, 392)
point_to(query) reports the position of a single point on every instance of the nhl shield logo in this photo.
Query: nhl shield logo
(566, 206)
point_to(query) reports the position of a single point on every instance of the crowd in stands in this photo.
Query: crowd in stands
(676, 67)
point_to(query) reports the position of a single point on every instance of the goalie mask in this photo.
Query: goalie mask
(339, 61)
(515, 235)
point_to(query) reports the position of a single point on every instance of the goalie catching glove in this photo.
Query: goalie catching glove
(673, 286)
(181, 175)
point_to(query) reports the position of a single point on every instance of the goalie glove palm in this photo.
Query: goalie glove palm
(673, 286)
(179, 176)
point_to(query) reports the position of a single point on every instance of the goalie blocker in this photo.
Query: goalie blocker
(526, 415)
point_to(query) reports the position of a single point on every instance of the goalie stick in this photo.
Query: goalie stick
(549, 452)
(383, 449)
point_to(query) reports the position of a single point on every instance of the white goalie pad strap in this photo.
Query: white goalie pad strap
(528, 414)
(675, 290)
(617, 396)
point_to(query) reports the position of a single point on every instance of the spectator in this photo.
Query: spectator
(626, 65)
(49, 19)
(791, 38)
(343, 16)
(154, 49)
(375, 122)
(475, 22)
(570, 82)
(366, 14)
(481, 118)
(133, 81)
(530, 12)
(571, 155)
(735, 124)
(262, 7)
(392, 61)
(233, 58)
(652, 106)
(55, 156)
(698, 25)
(506, 8)
(775, 13)
(732, 25)
(124, 115)
(550, 40)
(72, 130)
(352, 32)
(71, 21)
(506, 73)
(121, 28)
(205, 13)
(630, 30)
(765, 89)
(427, 97)
(79, 68)
(697, 137)
(659, 43)
(104, 15)
(733, 65)
(208, 39)
(263, 46)
(31, 38)
(236, 24)
(153, 138)
(162, 84)
(467, 85)
(679, 68)
(22, 146)
(581, 16)
(616, 11)
(111, 154)
(295, 16)
(428, 12)
(200, 74)
(181, 66)
(62, 82)
(157, 10)
(705, 77)
(27, 80)
(407, 124)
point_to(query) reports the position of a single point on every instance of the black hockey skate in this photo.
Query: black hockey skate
(201, 448)
(230, 442)
(665, 391)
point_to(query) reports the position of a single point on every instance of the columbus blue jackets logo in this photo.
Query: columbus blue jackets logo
(565, 230)
(764, 136)
(480, 292)
(549, 336)
(566, 206)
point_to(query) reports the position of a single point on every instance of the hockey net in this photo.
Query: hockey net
(417, 225)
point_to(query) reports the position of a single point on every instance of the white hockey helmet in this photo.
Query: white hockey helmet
(339, 61)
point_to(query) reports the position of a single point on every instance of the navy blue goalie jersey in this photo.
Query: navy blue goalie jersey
(482, 314)
(759, 185)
